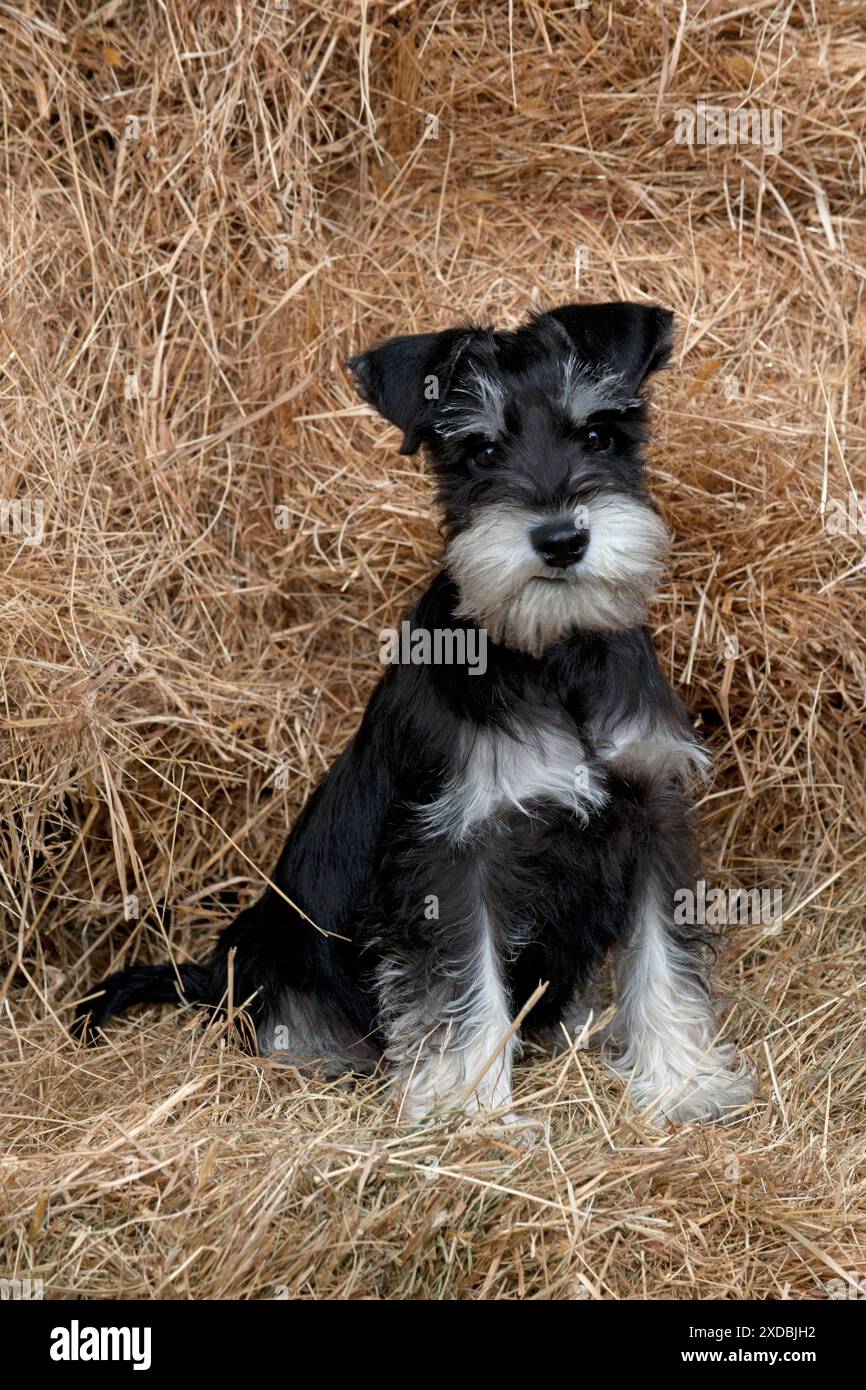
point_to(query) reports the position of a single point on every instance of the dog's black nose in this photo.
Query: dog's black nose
(560, 543)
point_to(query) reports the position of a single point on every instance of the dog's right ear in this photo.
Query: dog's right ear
(406, 379)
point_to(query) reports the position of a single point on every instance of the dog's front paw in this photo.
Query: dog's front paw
(708, 1094)
(715, 1096)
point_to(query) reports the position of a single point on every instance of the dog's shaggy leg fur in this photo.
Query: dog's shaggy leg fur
(672, 1061)
(445, 1011)
(665, 1023)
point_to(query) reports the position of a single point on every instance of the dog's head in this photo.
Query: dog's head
(535, 439)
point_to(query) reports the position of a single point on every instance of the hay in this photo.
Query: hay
(205, 209)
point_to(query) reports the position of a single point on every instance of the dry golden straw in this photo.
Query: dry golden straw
(205, 209)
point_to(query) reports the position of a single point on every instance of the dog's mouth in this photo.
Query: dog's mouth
(569, 576)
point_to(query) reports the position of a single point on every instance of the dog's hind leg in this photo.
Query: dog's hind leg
(570, 1030)
(310, 1031)
(295, 990)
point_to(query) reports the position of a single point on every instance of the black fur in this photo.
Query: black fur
(560, 894)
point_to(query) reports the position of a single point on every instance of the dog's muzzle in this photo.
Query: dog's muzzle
(560, 543)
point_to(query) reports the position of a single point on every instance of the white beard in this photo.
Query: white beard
(506, 587)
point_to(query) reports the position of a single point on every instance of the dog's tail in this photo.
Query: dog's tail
(140, 984)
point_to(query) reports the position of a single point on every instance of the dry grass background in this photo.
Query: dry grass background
(179, 669)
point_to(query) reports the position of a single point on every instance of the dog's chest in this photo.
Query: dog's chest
(547, 762)
(497, 772)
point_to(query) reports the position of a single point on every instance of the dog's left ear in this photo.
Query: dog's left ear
(407, 378)
(635, 339)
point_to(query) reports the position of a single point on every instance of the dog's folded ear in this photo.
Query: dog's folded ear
(634, 339)
(407, 378)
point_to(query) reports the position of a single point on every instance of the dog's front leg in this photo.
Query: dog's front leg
(444, 1006)
(665, 1024)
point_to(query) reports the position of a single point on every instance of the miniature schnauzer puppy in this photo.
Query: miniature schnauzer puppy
(487, 831)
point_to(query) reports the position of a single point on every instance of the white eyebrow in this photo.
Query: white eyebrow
(582, 392)
(475, 407)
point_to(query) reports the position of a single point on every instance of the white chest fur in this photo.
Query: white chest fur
(512, 771)
(549, 763)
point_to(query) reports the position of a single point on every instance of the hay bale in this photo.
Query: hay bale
(206, 209)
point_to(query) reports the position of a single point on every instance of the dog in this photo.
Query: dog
(489, 831)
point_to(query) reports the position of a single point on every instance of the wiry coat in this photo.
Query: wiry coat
(489, 830)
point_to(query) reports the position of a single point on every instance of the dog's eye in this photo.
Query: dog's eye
(485, 455)
(596, 439)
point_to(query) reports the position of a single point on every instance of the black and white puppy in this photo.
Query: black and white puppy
(485, 831)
